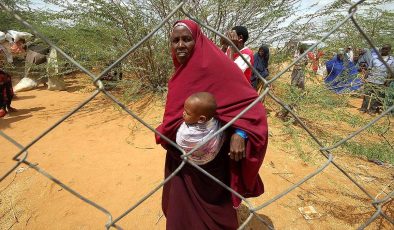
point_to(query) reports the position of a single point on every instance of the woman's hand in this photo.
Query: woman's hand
(237, 147)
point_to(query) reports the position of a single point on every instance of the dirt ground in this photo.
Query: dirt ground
(111, 159)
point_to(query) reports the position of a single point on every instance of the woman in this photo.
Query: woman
(261, 59)
(342, 74)
(192, 200)
(6, 91)
(6, 94)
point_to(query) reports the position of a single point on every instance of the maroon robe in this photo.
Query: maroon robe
(191, 200)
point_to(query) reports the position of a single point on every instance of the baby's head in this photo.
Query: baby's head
(199, 108)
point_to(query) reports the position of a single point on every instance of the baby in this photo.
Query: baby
(199, 125)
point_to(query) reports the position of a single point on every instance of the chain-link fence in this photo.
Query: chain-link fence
(22, 156)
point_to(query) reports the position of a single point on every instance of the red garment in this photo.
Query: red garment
(315, 59)
(248, 72)
(193, 201)
(209, 70)
(17, 47)
(5, 79)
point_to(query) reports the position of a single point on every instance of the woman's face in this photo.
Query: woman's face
(261, 52)
(182, 43)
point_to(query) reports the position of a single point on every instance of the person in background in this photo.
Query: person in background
(239, 35)
(342, 74)
(6, 90)
(364, 61)
(377, 78)
(314, 57)
(261, 59)
(19, 46)
(298, 73)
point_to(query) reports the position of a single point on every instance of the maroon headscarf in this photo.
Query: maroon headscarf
(209, 70)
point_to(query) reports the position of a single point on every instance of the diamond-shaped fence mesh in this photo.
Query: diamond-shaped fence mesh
(22, 157)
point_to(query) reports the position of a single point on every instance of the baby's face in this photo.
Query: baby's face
(191, 113)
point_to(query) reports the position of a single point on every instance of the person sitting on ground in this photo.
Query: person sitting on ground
(342, 74)
(199, 125)
(239, 35)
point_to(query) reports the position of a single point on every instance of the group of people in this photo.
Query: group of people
(207, 90)
(210, 86)
(40, 66)
(363, 70)
(347, 71)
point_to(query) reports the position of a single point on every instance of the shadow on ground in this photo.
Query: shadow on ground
(19, 115)
(263, 222)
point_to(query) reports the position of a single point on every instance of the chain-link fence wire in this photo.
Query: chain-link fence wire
(325, 150)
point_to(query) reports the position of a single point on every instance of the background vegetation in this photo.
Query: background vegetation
(97, 32)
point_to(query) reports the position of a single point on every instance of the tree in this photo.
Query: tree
(97, 32)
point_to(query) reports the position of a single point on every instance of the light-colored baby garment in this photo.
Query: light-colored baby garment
(189, 136)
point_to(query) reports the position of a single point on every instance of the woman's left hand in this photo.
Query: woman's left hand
(237, 147)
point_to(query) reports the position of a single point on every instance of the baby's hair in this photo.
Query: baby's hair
(206, 102)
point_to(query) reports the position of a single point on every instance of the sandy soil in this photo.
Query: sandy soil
(111, 159)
